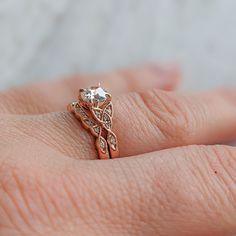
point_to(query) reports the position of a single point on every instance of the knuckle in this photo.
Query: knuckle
(170, 114)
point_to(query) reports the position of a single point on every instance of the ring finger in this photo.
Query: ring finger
(143, 122)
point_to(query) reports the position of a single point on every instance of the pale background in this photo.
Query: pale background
(46, 39)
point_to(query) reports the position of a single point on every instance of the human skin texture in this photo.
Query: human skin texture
(173, 177)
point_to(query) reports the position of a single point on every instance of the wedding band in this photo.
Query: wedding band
(95, 110)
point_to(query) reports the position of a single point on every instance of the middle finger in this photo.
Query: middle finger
(53, 96)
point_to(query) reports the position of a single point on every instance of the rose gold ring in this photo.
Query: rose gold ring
(95, 110)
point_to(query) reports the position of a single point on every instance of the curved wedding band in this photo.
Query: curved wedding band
(95, 110)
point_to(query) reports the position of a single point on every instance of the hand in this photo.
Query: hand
(171, 184)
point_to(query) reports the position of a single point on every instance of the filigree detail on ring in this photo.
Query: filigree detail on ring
(94, 109)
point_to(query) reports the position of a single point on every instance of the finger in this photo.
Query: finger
(139, 78)
(143, 123)
(54, 96)
(193, 189)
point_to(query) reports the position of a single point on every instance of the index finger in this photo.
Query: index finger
(54, 96)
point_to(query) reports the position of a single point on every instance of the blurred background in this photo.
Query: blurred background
(42, 39)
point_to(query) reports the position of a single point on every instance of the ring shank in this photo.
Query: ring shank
(99, 122)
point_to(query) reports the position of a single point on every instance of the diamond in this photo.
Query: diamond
(93, 94)
(112, 141)
(100, 94)
(98, 113)
(89, 122)
(109, 110)
(97, 129)
(81, 112)
(107, 121)
(102, 144)
(106, 118)
(86, 95)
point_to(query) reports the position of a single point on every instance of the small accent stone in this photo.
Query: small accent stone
(102, 144)
(98, 114)
(112, 141)
(108, 125)
(89, 122)
(81, 111)
(109, 110)
(97, 130)
(106, 117)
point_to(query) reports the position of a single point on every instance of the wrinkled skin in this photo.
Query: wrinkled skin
(172, 178)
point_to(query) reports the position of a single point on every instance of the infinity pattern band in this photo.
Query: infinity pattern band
(95, 110)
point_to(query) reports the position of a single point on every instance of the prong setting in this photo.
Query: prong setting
(93, 96)
(95, 110)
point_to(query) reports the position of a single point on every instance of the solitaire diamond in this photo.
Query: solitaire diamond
(93, 94)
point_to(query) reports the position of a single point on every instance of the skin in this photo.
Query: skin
(173, 178)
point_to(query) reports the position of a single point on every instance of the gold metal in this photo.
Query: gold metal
(96, 116)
